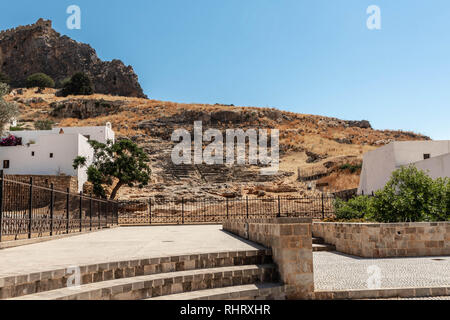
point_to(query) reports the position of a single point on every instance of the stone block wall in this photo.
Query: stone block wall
(291, 242)
(380, 240)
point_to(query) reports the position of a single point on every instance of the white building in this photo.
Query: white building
(432, 157)
(51, 152)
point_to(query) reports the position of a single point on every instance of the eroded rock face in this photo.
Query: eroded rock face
(84, 108)
(39, 48)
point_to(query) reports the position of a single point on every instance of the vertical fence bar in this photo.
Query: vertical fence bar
(246, 204)
(228, 214)
(150, 210)
(30, 209)
(182, 210)
(67, 210)
(90, 212)
(81, 211)
(323, 208)
(279, 207)
(52, 204)
(2, 177)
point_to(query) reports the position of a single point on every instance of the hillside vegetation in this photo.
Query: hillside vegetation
(309, 144)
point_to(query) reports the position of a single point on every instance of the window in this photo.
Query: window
(5, 164)
(51, 155)
(32, 153)
(426, 156)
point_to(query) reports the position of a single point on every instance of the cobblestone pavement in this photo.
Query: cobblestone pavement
(336, 271)
(118, 244)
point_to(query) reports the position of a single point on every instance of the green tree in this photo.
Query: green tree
(122, 160)
(355, 209)
(40, 80)
(80, 84)
(43, 124)
(412, 196)
(8, 110)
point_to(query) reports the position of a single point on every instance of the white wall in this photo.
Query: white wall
(65, 148)
(379, 164)
(101, 134)
(377, 168)
(437, 167)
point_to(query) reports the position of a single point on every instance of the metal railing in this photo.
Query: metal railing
(197, 211)
(30, 211)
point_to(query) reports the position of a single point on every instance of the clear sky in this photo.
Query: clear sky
(307, 56)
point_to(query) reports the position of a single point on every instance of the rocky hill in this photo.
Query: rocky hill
(318, 152)
(38, 48)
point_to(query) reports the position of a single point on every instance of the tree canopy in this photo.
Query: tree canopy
(123, 161)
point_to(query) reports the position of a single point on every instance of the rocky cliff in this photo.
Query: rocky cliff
(39, 48)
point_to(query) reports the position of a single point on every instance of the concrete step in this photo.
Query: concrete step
(143, 287)
(262, 291)
(23, 284)
(323, 247)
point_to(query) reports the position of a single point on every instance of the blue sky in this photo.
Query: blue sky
(314, 56)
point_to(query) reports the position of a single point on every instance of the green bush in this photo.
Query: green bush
(357, 208)
(43, 124)
(40, 80)
(80, 84)
(409, 196)
(353, 168)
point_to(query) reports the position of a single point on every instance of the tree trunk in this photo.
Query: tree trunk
(115, 190)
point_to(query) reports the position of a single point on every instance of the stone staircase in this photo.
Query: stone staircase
(320, 245)
(225, 276)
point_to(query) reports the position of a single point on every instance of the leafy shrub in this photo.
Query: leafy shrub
(353, 168)
(8, 110)
(79, 84)
(43, 125)
(357, 208)
(409, 196)
(40, 80)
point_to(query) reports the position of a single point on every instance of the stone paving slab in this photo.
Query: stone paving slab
(119, 244)
(336, 271)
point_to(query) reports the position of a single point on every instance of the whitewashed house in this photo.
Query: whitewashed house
(51, 152)
(432, 157)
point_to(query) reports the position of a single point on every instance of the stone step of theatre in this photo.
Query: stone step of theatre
(236, 275)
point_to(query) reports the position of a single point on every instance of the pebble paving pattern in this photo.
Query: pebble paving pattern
(336, 271)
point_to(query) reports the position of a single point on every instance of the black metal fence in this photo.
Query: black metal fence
(193, 211)
(29, 211)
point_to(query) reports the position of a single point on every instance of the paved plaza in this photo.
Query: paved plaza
(333, 271)
(126, 243)
(336, 271)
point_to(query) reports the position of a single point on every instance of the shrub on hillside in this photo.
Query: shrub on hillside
(43, 124)
(80, 84)
(40, 80)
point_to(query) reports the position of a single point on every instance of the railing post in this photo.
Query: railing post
(228, 214)
(2, 176)
(99, 213)
(90, 212)
(279, 207)
(67, 210)
(30, 209)
(81, 211)
(182, 210)
(150, 210)
(246, 201)
(52, 204)
(323, 208)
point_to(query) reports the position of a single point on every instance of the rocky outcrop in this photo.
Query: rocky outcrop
(84, 108)
(39, 48)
